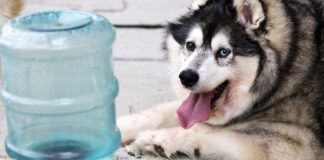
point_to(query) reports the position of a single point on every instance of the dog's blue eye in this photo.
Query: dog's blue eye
(223, 53)
(191, 46)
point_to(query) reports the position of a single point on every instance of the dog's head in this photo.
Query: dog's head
(220, 62)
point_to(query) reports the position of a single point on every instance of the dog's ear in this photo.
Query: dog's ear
(178, 31)
(249, 13)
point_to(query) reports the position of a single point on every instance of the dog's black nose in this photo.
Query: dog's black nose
(189, 78)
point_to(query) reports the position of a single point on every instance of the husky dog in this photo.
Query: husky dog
(250, 78)
(9, 9)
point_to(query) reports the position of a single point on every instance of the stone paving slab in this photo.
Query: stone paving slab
(142, 85)
(139, 44)
(121, 154)
(124, 12)
(88, 5)
(150, 12)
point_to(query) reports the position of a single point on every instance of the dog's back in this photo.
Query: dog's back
(318, 87)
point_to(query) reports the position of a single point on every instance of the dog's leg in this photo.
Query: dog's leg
(161, 116)
(262, 141)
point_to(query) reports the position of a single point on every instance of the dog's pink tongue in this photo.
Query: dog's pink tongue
(195, 109)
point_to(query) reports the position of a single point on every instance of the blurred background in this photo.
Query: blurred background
(140, 64)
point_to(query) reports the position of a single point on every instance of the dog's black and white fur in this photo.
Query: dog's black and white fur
(263, 61)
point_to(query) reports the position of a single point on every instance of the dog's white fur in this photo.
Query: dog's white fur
(241, 88)
(209, 68)
(203, 137)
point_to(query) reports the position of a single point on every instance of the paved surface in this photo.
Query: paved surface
(125, 12)
(140, 64)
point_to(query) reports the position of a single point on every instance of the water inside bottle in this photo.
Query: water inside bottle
(65, 150)
(65, 137)
(67, 147)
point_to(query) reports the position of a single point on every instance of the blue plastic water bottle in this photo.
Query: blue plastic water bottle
(58, 86)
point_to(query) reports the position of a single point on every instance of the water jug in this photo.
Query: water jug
(58, 86)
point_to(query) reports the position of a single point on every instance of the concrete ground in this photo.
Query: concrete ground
(140, 64)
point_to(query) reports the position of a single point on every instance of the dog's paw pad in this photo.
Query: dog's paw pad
(160, 151)
(179, 155)
(133, 150)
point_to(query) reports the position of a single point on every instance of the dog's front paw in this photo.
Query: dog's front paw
(134, 150)
(168, 143)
